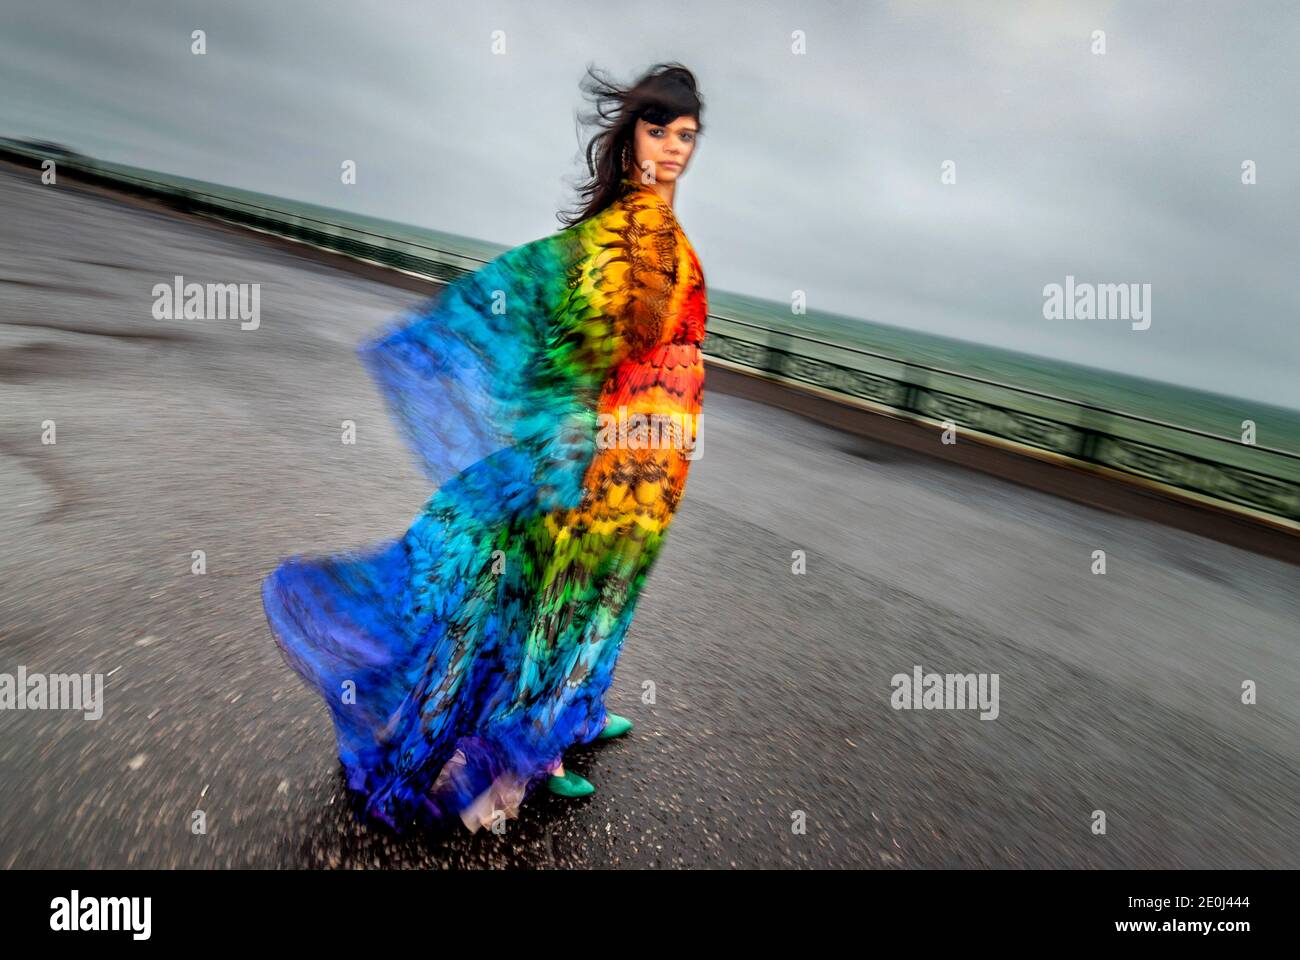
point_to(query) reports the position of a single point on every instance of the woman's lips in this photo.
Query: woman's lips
(670, 163)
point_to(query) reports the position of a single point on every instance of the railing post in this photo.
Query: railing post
(914, 381)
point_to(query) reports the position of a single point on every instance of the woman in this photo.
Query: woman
(552, 396)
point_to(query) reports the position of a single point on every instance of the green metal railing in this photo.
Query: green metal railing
(1223, 468)
(1259, 477)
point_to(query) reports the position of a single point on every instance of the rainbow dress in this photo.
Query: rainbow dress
(553, 397)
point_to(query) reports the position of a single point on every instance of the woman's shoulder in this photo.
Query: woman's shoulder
(648, 204)
(638, 223)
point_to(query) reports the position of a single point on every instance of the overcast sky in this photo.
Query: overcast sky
(818, 171)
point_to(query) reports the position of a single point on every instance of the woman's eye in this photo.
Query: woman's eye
(688, 137)
(655, 131)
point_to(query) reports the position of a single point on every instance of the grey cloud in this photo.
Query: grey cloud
(818, 172)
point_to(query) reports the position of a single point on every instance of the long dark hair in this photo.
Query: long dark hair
(665, 92)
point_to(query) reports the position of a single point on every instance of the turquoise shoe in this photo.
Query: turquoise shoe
(616, 727)
(569, 785)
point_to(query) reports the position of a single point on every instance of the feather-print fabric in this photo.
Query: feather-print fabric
(553, 398)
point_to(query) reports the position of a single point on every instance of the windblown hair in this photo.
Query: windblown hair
(664, 93)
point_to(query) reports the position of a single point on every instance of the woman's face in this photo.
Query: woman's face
(662, 151)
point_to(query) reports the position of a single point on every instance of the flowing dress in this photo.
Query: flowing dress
(553, 397)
